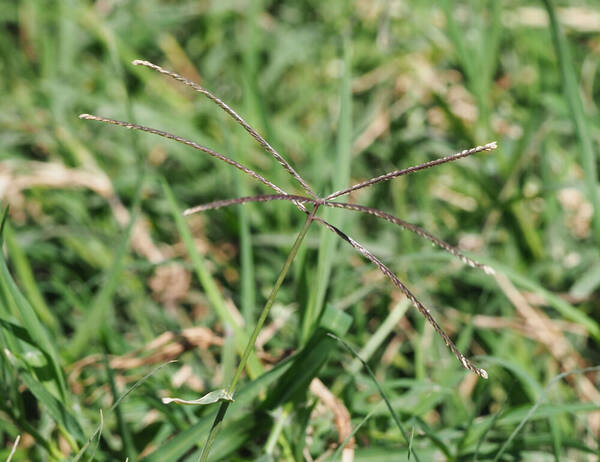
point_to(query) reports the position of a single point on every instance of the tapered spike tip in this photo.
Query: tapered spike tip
(489, 270)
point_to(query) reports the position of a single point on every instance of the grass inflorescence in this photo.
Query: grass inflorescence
(315, 202)
(134, 327)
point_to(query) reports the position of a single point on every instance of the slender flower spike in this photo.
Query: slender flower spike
(315, 201)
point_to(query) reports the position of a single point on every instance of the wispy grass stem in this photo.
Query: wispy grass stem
(261, 320)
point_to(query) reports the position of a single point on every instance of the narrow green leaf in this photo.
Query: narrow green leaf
(193, 436)
(3, 222)
(381, 392)
(209, 285)
(539, 401)
(307, 364)
(30, 322)
(571, 88)
(25, 276)
(88, 330)
(335, 320)
(341, 178)
(55, 406)
(343, 444)
(98, 432)
(116, 404)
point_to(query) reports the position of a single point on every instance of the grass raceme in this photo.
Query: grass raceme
(309, 204)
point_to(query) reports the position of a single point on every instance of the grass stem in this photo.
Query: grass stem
(261, 320)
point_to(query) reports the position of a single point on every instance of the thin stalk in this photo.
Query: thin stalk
(261, 320)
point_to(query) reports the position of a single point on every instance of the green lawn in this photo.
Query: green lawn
(112, 300)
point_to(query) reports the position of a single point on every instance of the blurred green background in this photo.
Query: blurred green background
(100, 286)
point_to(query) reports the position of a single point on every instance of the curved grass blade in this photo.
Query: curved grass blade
(3, 222)
(56, 407)
(537, 404)
(97, 445)
(98, 430)
(490, 425)
(24, 274)
(341, 447)
(381, 392)
(23, 311)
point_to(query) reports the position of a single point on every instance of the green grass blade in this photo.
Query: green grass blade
(538, 403)
(31, 323)
(383, 394)
(251, 103)
(247, 283)
(188, 439)
(3, 222)
(556, 439)
(123, 427)
(341, 177)
(25, 276)
(341, 447)
(375, 341)
(249, 348)
(254, 367)
(55, 406)
(571, 89)
(100, 426)
(98, 313)
(97, 432)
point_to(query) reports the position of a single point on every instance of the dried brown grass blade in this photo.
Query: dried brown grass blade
(413, 228)
(236, 117)
(422, 309)
(341, 416)
(243, 200)
(388, 176)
